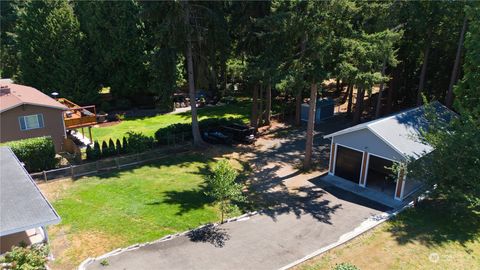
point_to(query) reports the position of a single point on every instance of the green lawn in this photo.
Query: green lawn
(115, 210)
(421, 238)
(148, 125)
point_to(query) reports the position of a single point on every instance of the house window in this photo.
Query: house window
(28, 122)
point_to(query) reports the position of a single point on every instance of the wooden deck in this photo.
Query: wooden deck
(78, 116)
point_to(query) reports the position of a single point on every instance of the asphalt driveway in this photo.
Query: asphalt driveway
(271, 240)
(304, 215)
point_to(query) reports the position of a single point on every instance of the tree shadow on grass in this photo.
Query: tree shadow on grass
(188, 200)
(432, 223)
(210, 234)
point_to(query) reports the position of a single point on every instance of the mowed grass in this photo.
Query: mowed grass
(149, 125)
(421, 238)
(105, 212)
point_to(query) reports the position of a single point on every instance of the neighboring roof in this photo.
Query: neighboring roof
(21, 94)
(22, 204)
(402, 131)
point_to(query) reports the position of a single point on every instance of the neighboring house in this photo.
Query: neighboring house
(364, 153)
(25, 112)
(24, 210)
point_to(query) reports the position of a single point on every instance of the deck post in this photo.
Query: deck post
(90, 133)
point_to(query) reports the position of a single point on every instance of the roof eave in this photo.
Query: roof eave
(63, 108)
(33, 226)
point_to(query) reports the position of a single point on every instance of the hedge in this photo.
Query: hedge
(38, 154)
(162, 134)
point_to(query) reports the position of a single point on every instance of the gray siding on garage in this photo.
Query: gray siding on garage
(365, 140)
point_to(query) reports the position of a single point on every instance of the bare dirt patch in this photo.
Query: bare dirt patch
(108, 124)
(72, 248)
(53, 190)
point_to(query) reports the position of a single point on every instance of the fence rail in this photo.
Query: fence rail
(109, 164)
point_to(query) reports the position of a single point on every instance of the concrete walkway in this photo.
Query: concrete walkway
(270, 240)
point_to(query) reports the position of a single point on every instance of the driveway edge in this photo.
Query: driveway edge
(90, 260)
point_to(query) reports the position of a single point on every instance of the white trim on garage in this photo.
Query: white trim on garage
(366, 170)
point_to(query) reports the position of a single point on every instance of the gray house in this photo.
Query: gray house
(364, 153)
(24, 211)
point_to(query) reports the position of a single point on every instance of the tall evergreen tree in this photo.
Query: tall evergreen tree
(454, 165)
(114, 47)
(49, 50)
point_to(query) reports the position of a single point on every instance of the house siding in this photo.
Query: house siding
(53, 124)
(365, 140)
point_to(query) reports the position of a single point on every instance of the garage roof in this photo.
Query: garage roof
(402, 131)
(22, 204)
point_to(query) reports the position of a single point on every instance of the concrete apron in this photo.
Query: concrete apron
(365, 226)
(365, 192)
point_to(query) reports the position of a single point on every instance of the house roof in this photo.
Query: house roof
(21, 94)
(402, 131)
(23, 205)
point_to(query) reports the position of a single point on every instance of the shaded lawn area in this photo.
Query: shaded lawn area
(148, 125)
(421, 238)
(142, 204)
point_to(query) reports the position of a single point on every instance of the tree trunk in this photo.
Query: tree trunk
(307, 163)
(298, 108)
(378, 107)
(350, 99)
(298, 104)
(254, 118)
(261, 113)
(197, 138)
(359, 105)
(268, 104)
(423, 72)
(392, 86)
(337, 86)
(453, 79)
(345, 96)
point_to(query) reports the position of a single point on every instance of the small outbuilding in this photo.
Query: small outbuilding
(366, 153)
(24, 211)
(325, 109)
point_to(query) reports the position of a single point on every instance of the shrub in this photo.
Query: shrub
(124, 145)
(34, 257)
(137, 142)
(37, 154)
(89, 152)
(345, 266)
(118, 147)
(96, 153)
(162, 135)
(111, 147)
(105, 151)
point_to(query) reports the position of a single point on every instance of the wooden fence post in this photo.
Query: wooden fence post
(117, 163)
(45, 176)
(71, 172)
(97, 166)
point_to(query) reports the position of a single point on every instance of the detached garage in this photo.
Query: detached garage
(366, 153)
